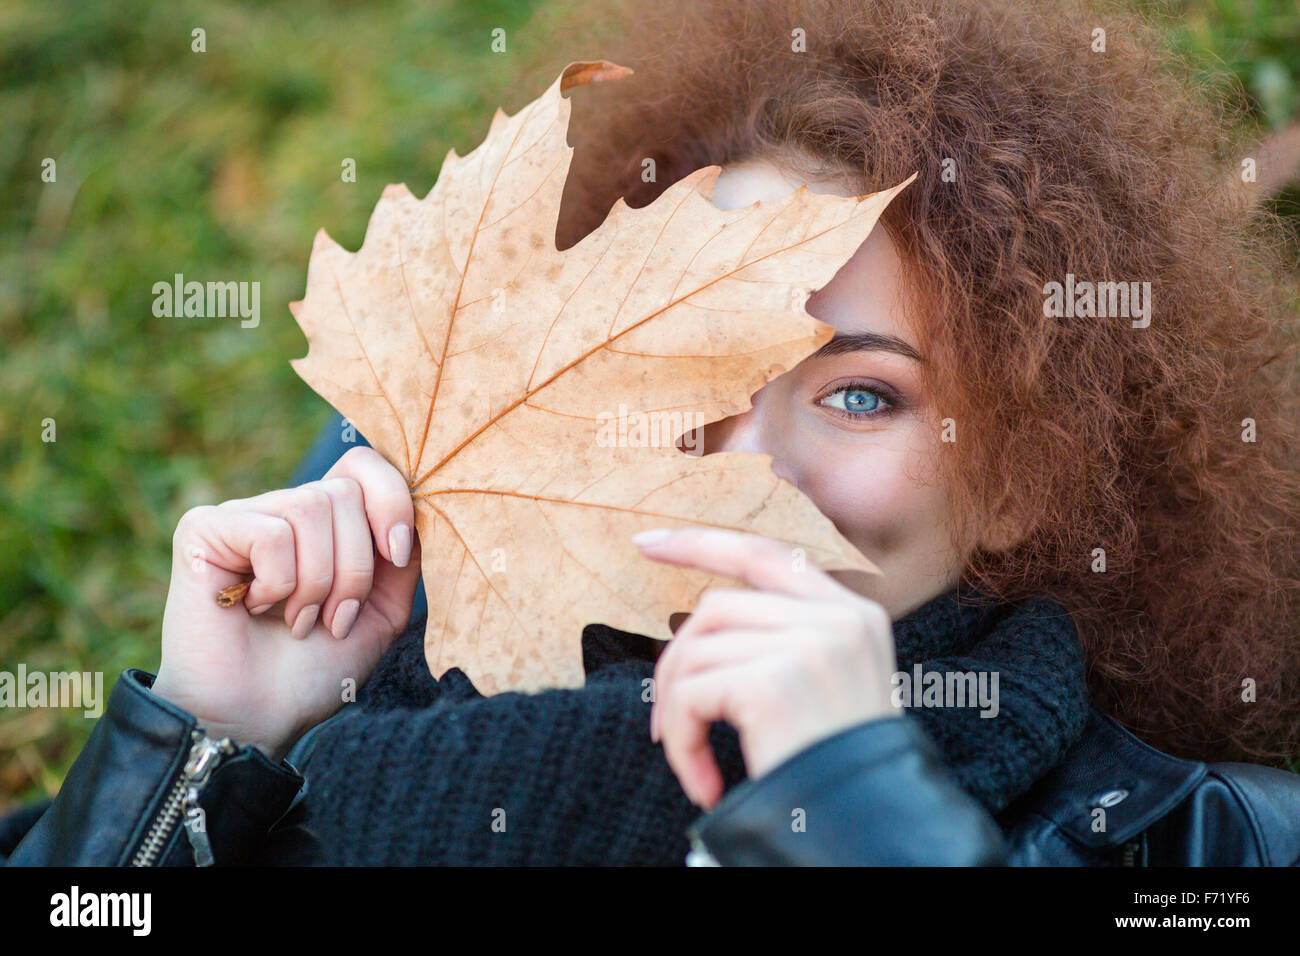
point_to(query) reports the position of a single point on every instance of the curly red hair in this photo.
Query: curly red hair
(1068, 160)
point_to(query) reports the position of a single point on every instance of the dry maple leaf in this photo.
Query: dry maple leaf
(483, 363)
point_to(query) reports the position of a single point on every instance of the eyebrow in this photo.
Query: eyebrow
(866, 341)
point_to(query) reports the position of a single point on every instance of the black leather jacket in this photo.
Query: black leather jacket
(877, 793)
(150, 789)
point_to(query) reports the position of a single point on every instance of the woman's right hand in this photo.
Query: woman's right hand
(325, 602)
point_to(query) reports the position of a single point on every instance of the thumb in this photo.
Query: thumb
(393, 589)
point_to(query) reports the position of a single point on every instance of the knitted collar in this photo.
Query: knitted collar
(948, 624)
(962, 617)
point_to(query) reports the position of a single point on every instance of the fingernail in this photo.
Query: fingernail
(653, 536)
(259, 609)
(399, 544)
(345, 617)
(303, 623)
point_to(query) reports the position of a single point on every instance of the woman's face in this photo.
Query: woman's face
(850, 425)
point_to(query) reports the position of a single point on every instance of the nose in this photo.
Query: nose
(745, 432)
(741, 432)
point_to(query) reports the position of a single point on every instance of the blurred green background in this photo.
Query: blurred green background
(222, 165)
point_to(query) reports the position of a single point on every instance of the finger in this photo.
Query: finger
(239, 542)
(689, 706)
(724, 648)
(721, 608)
(390, 598)
(760, 562)
(310, 512)
(386, 613)
(354, 556)
(387, 499)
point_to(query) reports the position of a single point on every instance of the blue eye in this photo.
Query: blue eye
(856, 401)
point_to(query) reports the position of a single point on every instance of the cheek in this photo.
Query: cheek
(882, 495)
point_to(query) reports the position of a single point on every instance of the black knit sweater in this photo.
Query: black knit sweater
(422, 771)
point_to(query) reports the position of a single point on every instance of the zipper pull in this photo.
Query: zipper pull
(204, 757)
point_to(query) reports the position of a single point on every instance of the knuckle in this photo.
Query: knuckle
(311, 503)
(703, 613)
(353, 580)
(342, 489)
(279, 534)
(711, 599)
(189, 520)
(359, 451)
(283, 587)
(713, 603)
(360, 456)
(320, 583)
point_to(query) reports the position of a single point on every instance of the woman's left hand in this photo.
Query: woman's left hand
(790, 663)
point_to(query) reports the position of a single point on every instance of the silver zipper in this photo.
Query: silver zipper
(205, 754)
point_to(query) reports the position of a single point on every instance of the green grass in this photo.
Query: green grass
(219, 165)
(222, 165)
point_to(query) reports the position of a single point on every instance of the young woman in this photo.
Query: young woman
(1001, 464)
